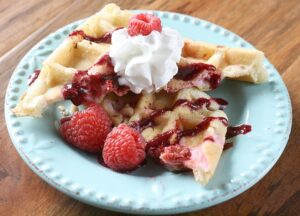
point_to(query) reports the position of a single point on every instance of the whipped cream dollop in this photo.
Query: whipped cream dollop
(146, 63)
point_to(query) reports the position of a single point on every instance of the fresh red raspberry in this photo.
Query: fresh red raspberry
(143, 24)
(124, 149)
(87, 129)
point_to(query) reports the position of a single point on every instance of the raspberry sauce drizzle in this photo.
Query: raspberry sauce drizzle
(237, 130)
(161, 139)
(164, 137)
(147, 122)
(106, 38)
(86, 88)
(156, 146)
(33, 77)
(231, 132)
(190, 71)
(214, 80)
(201, 127)
(199, 103)
(195, 105)
(222, 103)
(227, 146)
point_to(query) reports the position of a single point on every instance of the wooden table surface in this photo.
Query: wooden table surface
(273, 26)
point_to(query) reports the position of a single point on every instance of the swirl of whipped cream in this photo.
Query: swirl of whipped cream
(146, 63)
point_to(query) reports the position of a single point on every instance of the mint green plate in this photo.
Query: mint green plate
(151, 189)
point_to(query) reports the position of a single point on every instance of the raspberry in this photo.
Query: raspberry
(124, 149)
(86, 129)
(143, 24)
(176, 154)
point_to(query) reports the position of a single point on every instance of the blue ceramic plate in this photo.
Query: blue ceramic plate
(151, 189)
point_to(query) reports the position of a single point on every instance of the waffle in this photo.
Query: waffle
(167, 120)
(75, 53)
(235, 63)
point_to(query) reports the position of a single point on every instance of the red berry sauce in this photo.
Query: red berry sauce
(191, 71)
(157, 145)
(222, 103)
(195, 105)
(227, 146)
(86, 88)
(200, 102)
(33, 77)
(164, 137)
(144, 123)
(237, 130)
(200, 127)
(106, 38)
(161, 139)
(214, 80)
